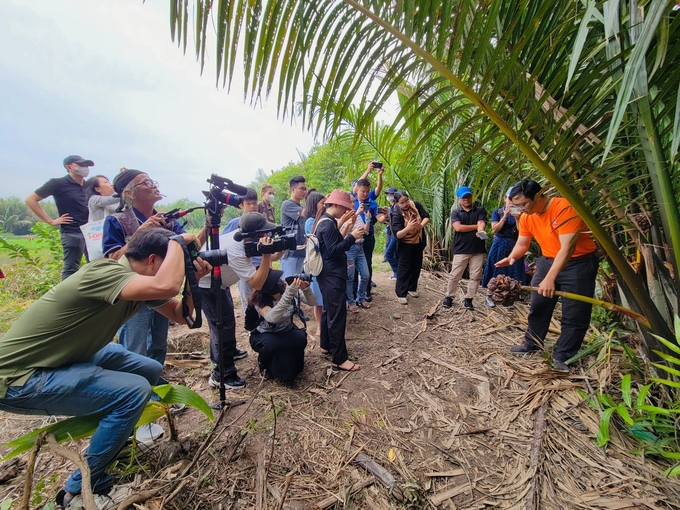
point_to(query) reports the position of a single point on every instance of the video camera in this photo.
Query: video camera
(218, 191)
(282, 241)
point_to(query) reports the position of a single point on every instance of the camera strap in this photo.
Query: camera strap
(297, 312)
(190, 288)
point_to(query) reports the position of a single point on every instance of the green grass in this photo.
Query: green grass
(29, 241)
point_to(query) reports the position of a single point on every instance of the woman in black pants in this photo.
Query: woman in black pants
(408, 221)
(280, 344)
(333, 277)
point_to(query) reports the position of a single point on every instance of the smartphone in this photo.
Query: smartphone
(483, 236)
(366, 206)
(515, 210)
(377, 164)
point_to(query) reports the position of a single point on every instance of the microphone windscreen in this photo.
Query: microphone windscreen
(238, 236)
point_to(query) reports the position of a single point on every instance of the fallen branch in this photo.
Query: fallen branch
(532, 500)
(332, 500)
(383, 476)
(86, 483)
(438, 499)
(28, 482)
(289, 479)
(429, 357)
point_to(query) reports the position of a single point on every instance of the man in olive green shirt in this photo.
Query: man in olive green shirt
(57, 358)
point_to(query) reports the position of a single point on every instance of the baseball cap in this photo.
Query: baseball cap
(271, 283)
(68, 160)
(391, 191)
(252, 221)
(462, 191)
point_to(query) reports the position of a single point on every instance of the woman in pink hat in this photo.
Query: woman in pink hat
(333, 277)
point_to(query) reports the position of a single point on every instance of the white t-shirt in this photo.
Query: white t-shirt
(239, 266)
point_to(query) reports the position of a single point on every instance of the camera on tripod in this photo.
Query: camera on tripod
(281, 241)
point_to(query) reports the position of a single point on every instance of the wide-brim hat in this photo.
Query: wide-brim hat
(340, 197)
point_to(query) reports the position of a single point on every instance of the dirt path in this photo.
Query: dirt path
(439, 404)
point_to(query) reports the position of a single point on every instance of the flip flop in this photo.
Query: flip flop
(364, 305)
(353, 309)
(323, 354)
(353, 368)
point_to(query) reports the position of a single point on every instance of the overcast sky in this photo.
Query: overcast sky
(102, 79)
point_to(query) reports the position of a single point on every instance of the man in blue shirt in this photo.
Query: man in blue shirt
(365, 203)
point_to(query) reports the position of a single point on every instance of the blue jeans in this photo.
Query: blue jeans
(291, 266)
(356, 259)
(146, 333)
(115, 383)
(391, 254)
(73, 246)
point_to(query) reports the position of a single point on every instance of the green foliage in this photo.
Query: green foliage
(35, 271)
(16, 218)
(649, 417)
(84, 426)
(582, 99)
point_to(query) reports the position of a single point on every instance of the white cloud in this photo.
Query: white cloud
(104, 80)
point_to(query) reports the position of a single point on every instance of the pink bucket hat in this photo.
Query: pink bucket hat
(340, 197)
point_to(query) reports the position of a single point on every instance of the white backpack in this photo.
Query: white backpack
(313, 263)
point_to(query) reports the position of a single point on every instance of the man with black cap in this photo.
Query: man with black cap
(238, 267)
(69, 196)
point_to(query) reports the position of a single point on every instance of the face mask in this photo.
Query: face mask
(390, 199)
(83, 171)
(269, 198)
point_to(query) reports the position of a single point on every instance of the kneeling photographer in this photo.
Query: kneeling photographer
(237, 266)
(280, 344)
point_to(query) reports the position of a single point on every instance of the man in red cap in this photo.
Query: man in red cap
(69, 196)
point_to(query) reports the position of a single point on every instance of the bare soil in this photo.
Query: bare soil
(439, 405)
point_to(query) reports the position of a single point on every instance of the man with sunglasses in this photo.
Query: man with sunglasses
(145, 333)
(293, 222)
(568, 262)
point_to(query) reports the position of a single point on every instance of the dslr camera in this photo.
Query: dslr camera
(305, 277)
(282, 241)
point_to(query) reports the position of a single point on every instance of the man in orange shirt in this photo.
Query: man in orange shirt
(569, 263)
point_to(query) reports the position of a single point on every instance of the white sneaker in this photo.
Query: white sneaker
(403, 300)
(490, 302)
(413, 293)
(147, 434)
(103, 502)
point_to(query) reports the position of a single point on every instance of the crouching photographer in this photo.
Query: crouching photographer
(57, 358)
(280, 344)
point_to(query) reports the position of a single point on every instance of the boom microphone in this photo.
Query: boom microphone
(229, 184)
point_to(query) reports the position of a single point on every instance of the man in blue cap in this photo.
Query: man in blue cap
(69, 196)
(469, 249)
